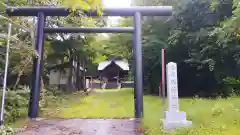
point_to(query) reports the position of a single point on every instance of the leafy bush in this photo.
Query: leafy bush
(232, 85)
(6, 130)
(16, 103)
(47, 97)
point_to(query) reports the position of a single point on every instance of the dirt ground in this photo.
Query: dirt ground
(84, 127)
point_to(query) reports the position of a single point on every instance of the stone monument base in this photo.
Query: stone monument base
(174, 120)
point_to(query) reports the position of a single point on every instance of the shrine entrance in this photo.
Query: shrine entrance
(43, 12)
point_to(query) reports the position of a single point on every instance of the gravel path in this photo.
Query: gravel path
(84, 127)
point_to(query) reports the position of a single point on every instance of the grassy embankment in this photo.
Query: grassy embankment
(210, 117)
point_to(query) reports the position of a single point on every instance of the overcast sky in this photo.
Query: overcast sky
(114, 4)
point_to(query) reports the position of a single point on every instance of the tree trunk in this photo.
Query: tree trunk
(42, 83)
(78, 73)
(18, 79)
(42, 87)
(70, 69)
(81, 75)
(60, 75)
(84, 76)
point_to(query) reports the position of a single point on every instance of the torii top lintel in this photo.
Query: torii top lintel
(63, 11)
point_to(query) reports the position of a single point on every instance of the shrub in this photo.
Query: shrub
(16, 103)
(6, 130)
(232, 85)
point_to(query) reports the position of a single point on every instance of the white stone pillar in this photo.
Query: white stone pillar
(173, 117)
(172, 87)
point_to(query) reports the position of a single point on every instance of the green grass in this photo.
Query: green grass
(101, 104)
(210, 117)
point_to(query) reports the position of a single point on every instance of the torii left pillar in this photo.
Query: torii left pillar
(37, 68)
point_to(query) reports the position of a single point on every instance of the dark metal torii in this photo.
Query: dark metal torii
(42, 12)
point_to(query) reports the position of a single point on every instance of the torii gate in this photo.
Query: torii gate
(42, 12)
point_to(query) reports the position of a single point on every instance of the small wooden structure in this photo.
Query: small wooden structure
(112, 73)
(59, 74)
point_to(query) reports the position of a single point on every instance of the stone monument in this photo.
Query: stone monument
(173, 117)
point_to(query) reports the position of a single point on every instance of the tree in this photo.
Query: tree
(22, 65)
(199, 38)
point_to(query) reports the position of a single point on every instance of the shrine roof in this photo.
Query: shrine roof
(122, 64)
